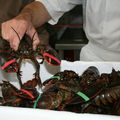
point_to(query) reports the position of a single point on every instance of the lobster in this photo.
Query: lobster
(105, 101)
(68, 88)
(23, 97)
(11, 60)
(55, 91)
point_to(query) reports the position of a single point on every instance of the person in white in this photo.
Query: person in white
(101, 25)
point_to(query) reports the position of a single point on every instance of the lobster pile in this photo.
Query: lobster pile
(90, 92)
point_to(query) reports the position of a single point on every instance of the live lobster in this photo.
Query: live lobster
(23, 97)
(11, 60)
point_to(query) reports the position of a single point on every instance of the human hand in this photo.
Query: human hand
(21, 24)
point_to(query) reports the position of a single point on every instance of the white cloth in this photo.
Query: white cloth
(103, 31)
(101, 24)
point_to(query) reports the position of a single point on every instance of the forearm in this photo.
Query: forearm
(40, 11)
(36, 13)
(57, 8)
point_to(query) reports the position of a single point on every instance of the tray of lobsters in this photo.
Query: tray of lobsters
(71, 89)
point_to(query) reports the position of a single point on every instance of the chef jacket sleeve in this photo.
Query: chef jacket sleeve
(57, 8)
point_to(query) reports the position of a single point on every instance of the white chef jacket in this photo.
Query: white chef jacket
(101, 25)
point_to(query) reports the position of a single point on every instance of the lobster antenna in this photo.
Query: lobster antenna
(16, 32)
(19, 36)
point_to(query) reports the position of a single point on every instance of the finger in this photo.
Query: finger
(14, 39)
(17, 36)
(36, 43)
(6, 32)
(14, 43)
(34, 36)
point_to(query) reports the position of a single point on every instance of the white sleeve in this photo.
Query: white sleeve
(57, 8)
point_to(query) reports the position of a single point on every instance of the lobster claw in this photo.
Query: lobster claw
(8, 63)
(51, 56)
(8, 66)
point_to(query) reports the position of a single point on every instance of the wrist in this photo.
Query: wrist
(26, 16)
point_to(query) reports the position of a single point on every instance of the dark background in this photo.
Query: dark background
(66, 31)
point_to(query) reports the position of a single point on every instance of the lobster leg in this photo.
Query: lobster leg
(37, 73)
(19, 72)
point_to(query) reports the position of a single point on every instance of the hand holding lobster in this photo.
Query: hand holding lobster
(11, 60)
(22, 25)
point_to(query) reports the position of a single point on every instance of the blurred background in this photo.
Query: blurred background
(68, 36)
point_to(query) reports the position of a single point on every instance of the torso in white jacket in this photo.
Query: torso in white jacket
(102, 28)
(101, 24)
